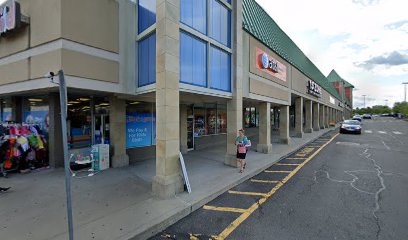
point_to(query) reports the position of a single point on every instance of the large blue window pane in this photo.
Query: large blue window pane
(193, 60)
(194, 14)
(147, 61)
(146, 14)
(220, 23)
(220, 69)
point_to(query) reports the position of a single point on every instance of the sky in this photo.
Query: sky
(365, 41)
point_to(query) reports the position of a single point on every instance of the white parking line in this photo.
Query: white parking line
(382, 132)
(398, 133)
(368, 131)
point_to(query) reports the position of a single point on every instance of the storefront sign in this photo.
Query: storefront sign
(270, 65)
(314, 89)
(140, 130)
(332, 100)
(10, 16)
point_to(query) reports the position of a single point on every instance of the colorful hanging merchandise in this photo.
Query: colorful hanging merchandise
(22, 148)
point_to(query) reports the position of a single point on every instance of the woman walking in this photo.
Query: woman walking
(242, 143)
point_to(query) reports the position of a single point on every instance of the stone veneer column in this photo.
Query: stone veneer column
(167, 182)
(316, 115)
(183, 129)
(117, 133)
(308, 122)
(326, 117)
(321, 122)
(264, 145)
(284, 124)
(299, 117)
(234, 106)
(56, 154)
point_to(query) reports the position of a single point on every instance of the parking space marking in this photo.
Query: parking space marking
(238, 221)
(269, 171)
(291, 158)
(368, 131)
(248, 193)
(224, 209)
(382, 132)
(287, 164)
(263, 181)
(398, 133)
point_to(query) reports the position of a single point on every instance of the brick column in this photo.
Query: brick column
(117, 124)
(167, 182)
(316, 115)
(234, 106)
(264, 145)
(308, 106)
(299, 117)
(284, 124)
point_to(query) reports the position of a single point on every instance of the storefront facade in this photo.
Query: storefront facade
(155, 80)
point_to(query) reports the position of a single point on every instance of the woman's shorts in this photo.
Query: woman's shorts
(241, 155)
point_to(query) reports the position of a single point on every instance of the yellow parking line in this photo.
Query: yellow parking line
(248, 193)
(268, 171)
(227, 231)
(287, 164)
(295, 158)
(263, 181)
(224, 209)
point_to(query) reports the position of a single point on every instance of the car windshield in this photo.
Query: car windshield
(352, 122)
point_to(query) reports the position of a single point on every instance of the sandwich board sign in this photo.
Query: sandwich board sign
(183, 167)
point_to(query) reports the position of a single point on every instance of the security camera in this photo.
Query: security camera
(50, 75)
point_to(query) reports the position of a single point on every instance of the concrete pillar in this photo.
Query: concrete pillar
(308, 107)
(316, 115)
(284, 124)
(183, 129)
(326, 118)
(299, 117)
(17, 109)
(264, 145)
(117, 124)
(234, 106)
(168, 181)
(56, 155)
(321, 118)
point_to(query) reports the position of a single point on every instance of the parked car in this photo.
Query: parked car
(357, 117)
(350, 126)
(367, 116)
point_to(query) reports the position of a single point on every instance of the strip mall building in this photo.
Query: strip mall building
(155, 79)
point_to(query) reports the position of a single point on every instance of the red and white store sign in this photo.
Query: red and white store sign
(10, 16)
(270, 65)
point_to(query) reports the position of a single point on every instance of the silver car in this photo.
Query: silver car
(350, 126)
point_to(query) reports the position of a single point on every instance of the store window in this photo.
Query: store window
(220, 69)
(220, 23)
(147, 60)
(79, 122)
(194, 14)
(222, 119)
(211, 117)
(146, 14)
(6, 110)
(193, 60)
(140, 124)
(199, 122)
(251, 117)
(35, 112)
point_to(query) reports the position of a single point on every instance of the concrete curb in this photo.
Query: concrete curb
(154, 229)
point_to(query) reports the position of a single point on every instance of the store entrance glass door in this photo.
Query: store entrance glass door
(101, 129)
(190, 129)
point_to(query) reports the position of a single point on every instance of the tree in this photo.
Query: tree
(400, 107)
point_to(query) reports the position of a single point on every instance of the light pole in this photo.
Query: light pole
(64, 111)
(364, 96)
(386, 102)
(405, 91)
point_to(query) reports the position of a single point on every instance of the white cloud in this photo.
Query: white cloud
(340, 33)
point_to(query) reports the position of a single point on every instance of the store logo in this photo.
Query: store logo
(314, 89)
(10, 16)
(267, 63)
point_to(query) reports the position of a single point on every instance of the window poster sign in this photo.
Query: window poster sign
(270, 65)
(140, 129)
(39, 118)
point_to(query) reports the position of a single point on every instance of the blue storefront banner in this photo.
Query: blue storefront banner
(7, 116)
(138, 130)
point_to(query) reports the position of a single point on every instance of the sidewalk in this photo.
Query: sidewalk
(118, 203)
